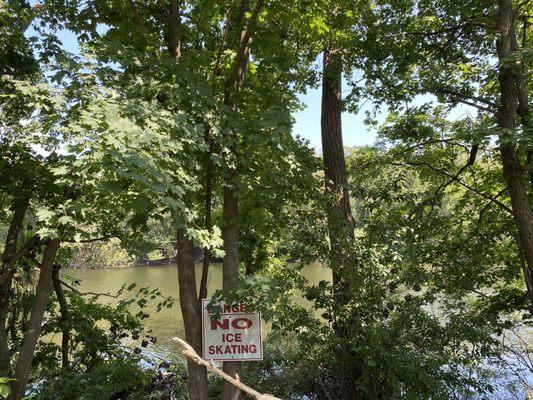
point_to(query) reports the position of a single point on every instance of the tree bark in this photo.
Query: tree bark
(31, 335)
(192, 317)
(64, 321)
(507, 116)
(208, 211)
(175, 29)
(6, 278)
(230, 231)
(189, 302)
(340, 220)
(230, 274)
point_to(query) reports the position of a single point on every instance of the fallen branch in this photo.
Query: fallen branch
(189, 352)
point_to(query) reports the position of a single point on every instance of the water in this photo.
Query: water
(166, 323)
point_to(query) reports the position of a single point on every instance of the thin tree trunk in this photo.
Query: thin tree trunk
(175, 29)
(507, 115)
(6, 278)
(189, 302)
(190, 309)
(230, 208)
(230, 273)
(230, 231)
(340, 220)
(64, 321)
(31, 336)
(208, 212)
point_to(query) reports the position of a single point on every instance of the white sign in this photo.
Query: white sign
(235, 336)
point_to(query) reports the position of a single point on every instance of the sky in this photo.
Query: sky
(307, 121)
(307, 125)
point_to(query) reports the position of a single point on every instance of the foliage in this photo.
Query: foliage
(4, 387)
(111, 147)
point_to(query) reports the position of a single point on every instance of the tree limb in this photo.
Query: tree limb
(189, 352)
(91, 240)
(489, 203)
(465, 96)
(86, 293)
(456, 179)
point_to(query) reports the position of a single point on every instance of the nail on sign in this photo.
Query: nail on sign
(234, 336)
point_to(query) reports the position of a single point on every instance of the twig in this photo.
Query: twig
(408, 149)
(91, 240)
(460, 182)
(465, 96)
(86, 293)
(189, 352)
(490, 202)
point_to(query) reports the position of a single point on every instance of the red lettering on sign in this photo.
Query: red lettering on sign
(224, 324)
(238, 323)
(241, 323)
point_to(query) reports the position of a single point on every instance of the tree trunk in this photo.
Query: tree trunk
(64, 321)
(507, 116)
(31, 336)
(230, 271)
(6, 277)
(230, 208)
(189, 302)
(340, 220)
(208, 211)
(192, 317)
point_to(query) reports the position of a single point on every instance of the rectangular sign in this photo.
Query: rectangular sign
(235, 336)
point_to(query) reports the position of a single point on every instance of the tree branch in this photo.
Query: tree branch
(465, 97)
(91, 240)
(189, 352)
(86, 293)
(410, 148)
(137, 17)
(456, 179)
(216, 68)
(175, 29)
(30, 244)
(489, 203)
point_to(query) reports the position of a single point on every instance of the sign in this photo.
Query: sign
(234, 336)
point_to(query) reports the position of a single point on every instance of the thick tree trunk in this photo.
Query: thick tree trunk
(6, 277)
(190, 309)
(64, 321)
(33, 331)
(340, 220)
(507, 116)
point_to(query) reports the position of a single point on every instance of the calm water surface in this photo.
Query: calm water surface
(166, 323)
(169, 323)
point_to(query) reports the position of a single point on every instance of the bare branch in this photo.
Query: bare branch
(86, 293)
(189, 352)
(216, 69)
(91, 240)
(489, 203)
(456, 179)
(460, 26)
(462, 97)
(410, 148)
